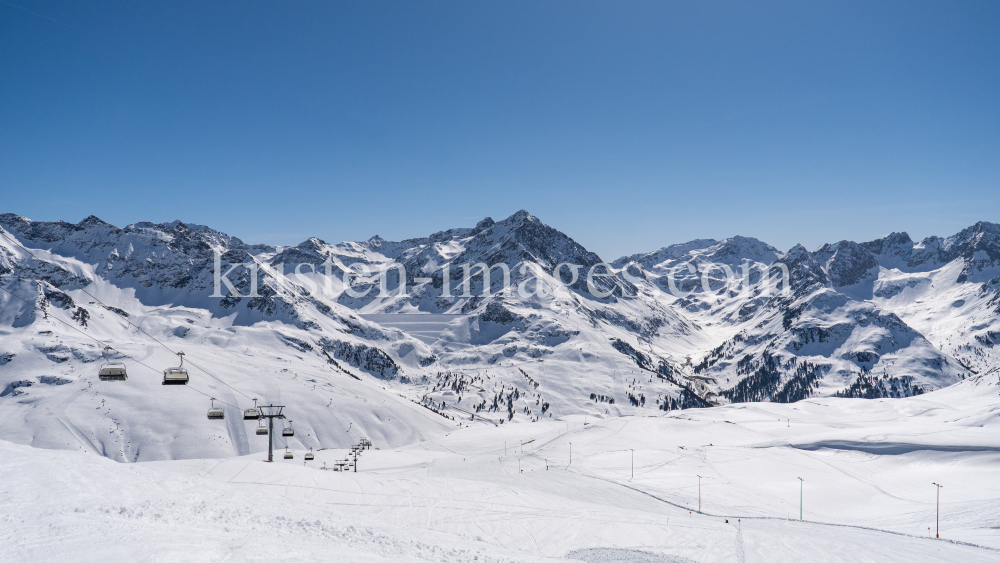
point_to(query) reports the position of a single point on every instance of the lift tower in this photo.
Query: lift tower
(271, 412)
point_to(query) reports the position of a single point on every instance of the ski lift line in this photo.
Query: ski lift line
(95, 339)
(113, 310)
(209, 396)
(206, 372)
(102, 343)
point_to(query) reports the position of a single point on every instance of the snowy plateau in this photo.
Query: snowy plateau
(659, 414)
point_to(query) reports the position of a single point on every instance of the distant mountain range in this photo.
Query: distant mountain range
(663, 330)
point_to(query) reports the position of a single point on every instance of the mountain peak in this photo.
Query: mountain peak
(796, 250)
(523, 237)
(312, 244)
(892, 244)
(986, 226)
(736, 248)
(93, 221)
(520, 217)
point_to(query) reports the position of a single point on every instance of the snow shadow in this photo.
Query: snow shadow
(617, 555)
(892, 448)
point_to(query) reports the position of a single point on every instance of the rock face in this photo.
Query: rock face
(688, 325)
(847, 263)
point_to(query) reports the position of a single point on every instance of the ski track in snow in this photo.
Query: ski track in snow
(453, 498)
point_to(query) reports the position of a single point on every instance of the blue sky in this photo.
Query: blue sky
(627, 125)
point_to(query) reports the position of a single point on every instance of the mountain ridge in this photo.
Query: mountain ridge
(877, 318)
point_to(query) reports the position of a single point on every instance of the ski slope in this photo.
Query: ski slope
(512, 492)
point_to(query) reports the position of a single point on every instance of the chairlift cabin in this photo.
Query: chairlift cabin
(252, 413)
(216, 413)
(177, 375)
(309, 455)
(288, 430)
(261, 429)
(112, 371)
(288, 454)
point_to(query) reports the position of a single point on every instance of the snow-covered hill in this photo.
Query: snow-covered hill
(703, 485)
(399, 364)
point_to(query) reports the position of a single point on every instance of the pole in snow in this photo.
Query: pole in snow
(633, 463)
(937, 516)
(801, 481)
(699, 494)
(270, 439)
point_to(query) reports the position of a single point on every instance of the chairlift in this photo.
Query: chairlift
(288, 454)
(112, 371)
(177, 375)
(216, 413)
(309, 455)
(288, 430)
(261, 429)
(252, 413)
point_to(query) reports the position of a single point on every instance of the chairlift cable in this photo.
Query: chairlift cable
(102, 343)
(125, 318)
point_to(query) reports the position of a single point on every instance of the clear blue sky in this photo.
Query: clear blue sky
(628, 125)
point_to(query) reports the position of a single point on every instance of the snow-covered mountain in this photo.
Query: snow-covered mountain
(922, 294)
(368, 356)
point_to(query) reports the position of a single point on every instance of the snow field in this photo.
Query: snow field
(867, 465)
